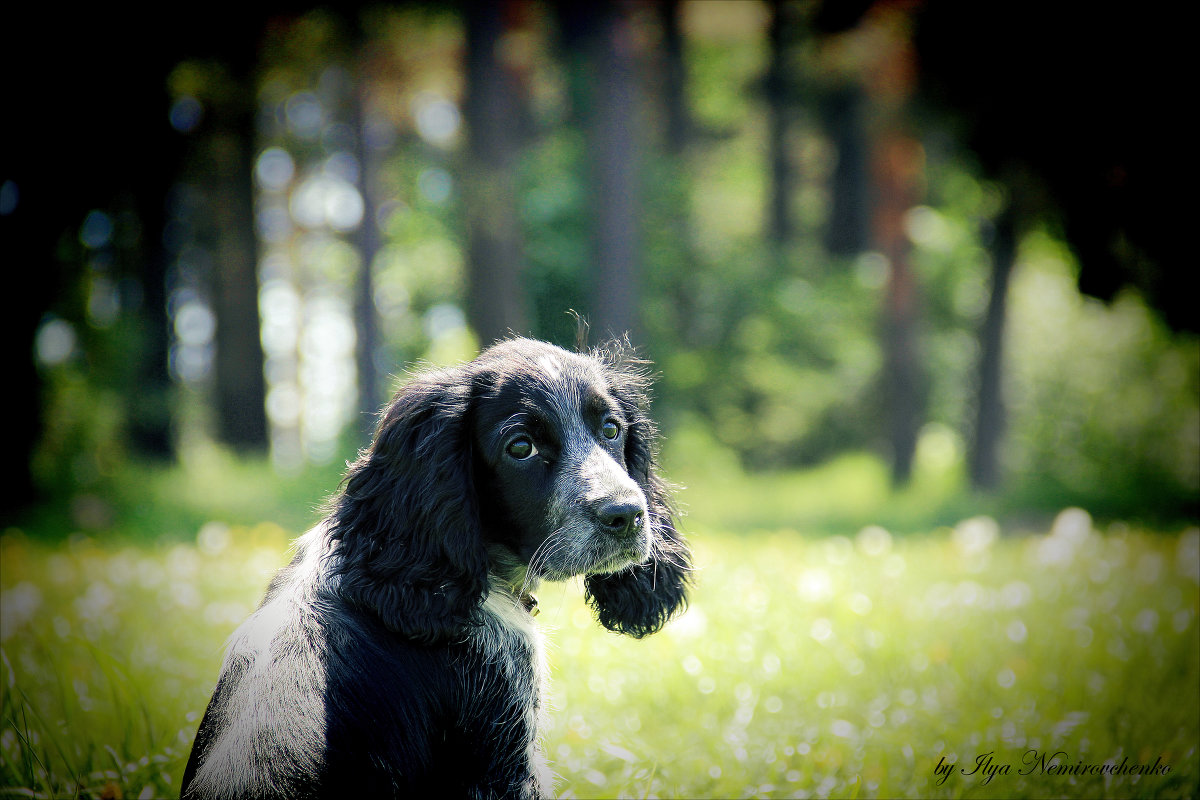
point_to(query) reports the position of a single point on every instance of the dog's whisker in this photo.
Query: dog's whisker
(544, 552)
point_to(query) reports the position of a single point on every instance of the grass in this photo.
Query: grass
(843, 495)
(807, 666)
(851, 667)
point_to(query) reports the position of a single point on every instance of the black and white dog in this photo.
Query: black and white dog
(397, 656)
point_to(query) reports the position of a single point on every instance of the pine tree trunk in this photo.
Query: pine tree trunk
(496, 303)
(990, 412)
(613, 147)
(366, 319)
(897, 173)
(779, 210)
(240, 384)
(849, 230)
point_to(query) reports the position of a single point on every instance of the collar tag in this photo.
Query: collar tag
(531, 604)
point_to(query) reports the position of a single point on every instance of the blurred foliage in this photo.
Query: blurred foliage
(554, 217)
(1104, 399)
(141, 502)
(770, 356)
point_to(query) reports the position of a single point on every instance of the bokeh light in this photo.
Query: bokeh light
(274, 169)
(55, 341)
(97, 230)
(186, 114)
(437, 118)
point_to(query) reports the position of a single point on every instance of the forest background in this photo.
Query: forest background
(834, 228)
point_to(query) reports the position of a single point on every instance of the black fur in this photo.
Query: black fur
(396, 655)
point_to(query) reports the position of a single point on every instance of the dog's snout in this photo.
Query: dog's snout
(621, 518)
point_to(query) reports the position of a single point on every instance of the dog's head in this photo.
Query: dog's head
(528, 463)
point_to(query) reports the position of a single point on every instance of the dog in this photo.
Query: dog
(397, 654)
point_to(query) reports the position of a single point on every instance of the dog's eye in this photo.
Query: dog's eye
(610, 429)
(521, 448)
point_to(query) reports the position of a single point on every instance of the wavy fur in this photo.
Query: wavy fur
(397, 654)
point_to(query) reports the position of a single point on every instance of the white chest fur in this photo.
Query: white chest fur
(511, 639)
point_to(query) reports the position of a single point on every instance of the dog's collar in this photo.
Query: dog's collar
(530, 603)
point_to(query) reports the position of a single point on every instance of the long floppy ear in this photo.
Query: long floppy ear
(407, 523)
(639, 600)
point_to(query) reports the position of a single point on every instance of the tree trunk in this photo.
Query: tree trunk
(29, 231)
(897, 173)
(612, 139)
(990, 416)
(848, 232)
(149, 407)
(779, 209)
(897, 176)
(150, 429)
(240, 389)
(679, 122)
(496, 298)
(366, 318)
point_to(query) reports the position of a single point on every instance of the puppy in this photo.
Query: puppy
(397, 655)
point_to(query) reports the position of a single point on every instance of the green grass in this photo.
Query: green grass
(843, 495)
(805, 667)
(108, 653)
(147, 503)
(810, 664)
(844, 667)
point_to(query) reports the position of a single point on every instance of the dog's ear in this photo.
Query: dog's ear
(407, 522)
(641, 599)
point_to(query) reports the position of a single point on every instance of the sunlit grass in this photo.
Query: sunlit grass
(842, 495)
(110, 653)
(805, 667)
(842, 667)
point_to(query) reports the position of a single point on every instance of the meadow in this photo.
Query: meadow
(968, 660)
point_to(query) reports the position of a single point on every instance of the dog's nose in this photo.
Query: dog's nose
(621, 518)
